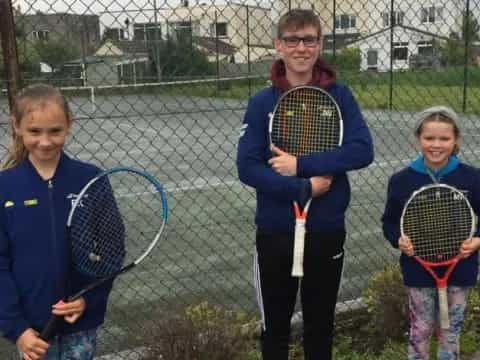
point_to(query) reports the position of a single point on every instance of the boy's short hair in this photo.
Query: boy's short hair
(296, 19)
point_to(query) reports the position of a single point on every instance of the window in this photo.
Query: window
(345, 21)
(114, 34)
(425, 48)
(397, 18)
(431, 14)
(41, 35)
(147, 32)
(218, 29)
(372, 59)
(183, 28)
(400, 51)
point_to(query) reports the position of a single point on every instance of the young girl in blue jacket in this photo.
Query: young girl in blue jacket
(37, 189)
(283, 178)
(437, 134)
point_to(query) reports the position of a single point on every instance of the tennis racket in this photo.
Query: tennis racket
(438, 218)
(306, 120)
(113, 225)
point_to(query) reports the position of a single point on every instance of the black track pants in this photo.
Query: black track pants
(277, 291)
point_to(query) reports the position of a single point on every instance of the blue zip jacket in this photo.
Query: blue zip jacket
(275, 192)
(401, 186)
(34, 255)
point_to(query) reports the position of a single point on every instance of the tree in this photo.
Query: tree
(346, 59)
(55, 52)
(454, 50)
(179, 57)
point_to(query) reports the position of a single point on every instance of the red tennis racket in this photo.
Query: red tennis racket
(438, 218)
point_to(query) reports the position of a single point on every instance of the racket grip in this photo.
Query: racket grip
(443, 306)
(298, 248)
(50, 329)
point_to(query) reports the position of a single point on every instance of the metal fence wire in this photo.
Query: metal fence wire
(163, 85)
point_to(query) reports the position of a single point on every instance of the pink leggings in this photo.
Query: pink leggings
(423, 303)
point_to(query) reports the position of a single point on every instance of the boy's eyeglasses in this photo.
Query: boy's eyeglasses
(308, 41)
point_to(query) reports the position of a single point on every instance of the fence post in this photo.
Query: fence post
(466, 34)
(9, 47)
(249, 67)
(392, 50)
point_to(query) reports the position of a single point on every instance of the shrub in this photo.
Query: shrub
(345, 59)
(202, 332)
(386, 300)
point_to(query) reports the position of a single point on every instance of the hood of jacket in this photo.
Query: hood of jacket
(323, 75)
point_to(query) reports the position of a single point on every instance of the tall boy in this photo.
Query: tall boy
(283, 178)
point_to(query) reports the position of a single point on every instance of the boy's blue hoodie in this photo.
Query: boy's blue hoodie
(34, 255)
(275, 192)
(401, 186)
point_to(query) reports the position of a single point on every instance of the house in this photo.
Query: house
(82, 32)
(115, 62)
(378, 55)
(412, 28)
(241, 26)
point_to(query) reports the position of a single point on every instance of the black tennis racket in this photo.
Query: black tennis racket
(113, 225)
(306, 120)
(438, 218)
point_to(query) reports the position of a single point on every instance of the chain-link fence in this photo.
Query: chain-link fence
(163, 86)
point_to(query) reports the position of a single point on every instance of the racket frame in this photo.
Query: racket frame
(301, 215)
(440, 281)
(50, 328)
(271, 115)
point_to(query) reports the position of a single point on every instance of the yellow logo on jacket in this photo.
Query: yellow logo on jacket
(30, 202)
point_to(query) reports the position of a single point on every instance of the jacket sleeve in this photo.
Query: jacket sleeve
(12, 321)
(356, 150)
(391, 216)
(252, 160)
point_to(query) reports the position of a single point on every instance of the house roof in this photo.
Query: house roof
(130, 46)
(213, 45)
(341, 40)
(410, 28)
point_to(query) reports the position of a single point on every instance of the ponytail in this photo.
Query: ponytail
(16, 152)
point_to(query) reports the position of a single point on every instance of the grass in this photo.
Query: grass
(399, 91)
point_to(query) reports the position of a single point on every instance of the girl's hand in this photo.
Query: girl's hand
(469, 246)
(406, 246)
(283, 163)
(71, 311)
(31, 346)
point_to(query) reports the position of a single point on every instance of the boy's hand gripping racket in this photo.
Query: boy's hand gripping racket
(438, 218)
(306, 120)
(114, 223)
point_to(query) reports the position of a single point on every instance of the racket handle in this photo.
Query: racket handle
(443, 306)
(298, 248)
(51, 328)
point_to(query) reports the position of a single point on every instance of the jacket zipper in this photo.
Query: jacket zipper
(54, 233)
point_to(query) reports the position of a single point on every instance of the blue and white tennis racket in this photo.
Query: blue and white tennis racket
(113, 225)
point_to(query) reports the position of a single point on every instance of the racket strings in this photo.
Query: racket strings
(437, 221)
(113, 223)
(306, 121)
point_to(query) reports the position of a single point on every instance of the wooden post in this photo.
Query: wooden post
(9, 48)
